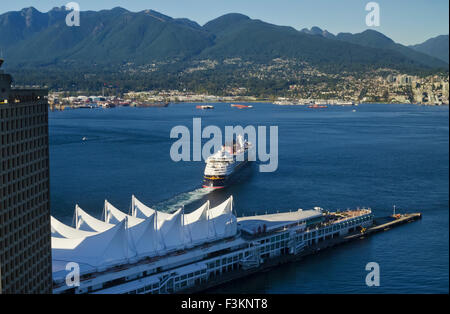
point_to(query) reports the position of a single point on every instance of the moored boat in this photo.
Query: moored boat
(241, 106)
(204, 107)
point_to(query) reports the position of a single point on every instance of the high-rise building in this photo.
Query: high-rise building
(25, 243)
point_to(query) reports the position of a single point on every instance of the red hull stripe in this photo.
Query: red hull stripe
(213, 187)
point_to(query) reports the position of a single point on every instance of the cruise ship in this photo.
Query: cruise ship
(152, 252)
(222, 167)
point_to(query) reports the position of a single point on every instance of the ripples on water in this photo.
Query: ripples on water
(182, 200)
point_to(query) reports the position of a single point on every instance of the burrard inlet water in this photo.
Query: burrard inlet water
(377, 156)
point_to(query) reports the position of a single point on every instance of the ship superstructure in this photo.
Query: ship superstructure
(222, 167)
(155, 252)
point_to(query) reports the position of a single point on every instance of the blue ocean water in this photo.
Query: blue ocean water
(378, 156)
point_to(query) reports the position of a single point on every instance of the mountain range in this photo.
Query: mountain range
(436, 47)
(30, 38)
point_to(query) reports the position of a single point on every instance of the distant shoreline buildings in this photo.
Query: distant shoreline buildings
(391, 88)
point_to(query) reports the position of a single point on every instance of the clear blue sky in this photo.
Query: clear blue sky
(405, 21)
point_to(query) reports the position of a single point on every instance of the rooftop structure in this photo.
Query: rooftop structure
(271, 222)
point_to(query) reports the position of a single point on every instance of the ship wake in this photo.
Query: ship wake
(181, 200)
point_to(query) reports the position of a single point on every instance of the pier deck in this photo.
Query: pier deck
(380, 224)
(386, 223)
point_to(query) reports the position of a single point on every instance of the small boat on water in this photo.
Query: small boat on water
(241, 106)
(86, 106)
(316, 106)
(107, 105)
(204, 107)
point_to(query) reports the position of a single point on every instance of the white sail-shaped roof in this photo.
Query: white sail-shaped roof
(140, 210)
(198, 226)
(224, 226)
(113, 216)
(65, 245)
(125, 241)
(198, 214)
(145, 238)
(223, 222)
(60, 230)
(224, 208)
(108, 247)
(172, 232)
(84, 221)
(54, 232)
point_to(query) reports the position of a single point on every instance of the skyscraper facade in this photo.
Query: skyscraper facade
(25, 243)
